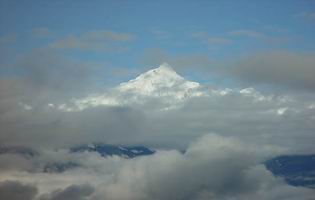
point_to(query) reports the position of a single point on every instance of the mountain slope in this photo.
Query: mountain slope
(297, 170)
(162, 84)
(113, 150)
(163, 89)
(162, 81)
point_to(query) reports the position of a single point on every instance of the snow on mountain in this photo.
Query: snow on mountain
(161, 83)
(167, 90)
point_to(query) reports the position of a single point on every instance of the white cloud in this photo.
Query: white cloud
(218, 40)
(7, 39)
(212, 40)
(306, 15)
(101, 40)
(253, 34)
(213, 166)
(42, 32)
(248, 33)
(160, 34)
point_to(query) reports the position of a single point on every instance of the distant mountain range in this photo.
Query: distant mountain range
(297, 170)
(18, 150)
(111, 150)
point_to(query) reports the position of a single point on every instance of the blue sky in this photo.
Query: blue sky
(215, 30)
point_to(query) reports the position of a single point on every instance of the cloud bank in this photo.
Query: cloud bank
(282, 68)
(212, 167)
(250, 127)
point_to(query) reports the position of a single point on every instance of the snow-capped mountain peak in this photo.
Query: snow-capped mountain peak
(162, 83)
(158, 80)
(163, 69)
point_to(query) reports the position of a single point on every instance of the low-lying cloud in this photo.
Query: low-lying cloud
(213, 167)
(73, 192)
(14, 190)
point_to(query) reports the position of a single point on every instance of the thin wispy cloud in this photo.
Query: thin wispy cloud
(306, 15)
(211, 40)
(95, 40)
(42, 32)
(253, 34)
(248, 33)
(7, 39)
(218, 40)
(160, 34)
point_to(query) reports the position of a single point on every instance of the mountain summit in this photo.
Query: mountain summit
(161, 83)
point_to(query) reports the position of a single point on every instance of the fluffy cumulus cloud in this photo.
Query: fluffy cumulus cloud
(212, 167)
(15, 190)
(73, 192)
(248, 114)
